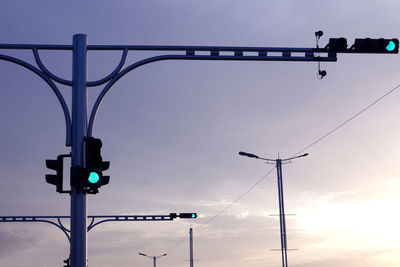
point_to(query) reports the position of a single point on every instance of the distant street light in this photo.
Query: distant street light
(153, 257)
(278, 163)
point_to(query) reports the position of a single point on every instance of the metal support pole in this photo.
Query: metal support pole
(154, 261)
(79, 128)
(191, 246)
(281, 213)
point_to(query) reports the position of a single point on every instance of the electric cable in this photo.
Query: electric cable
(348, 120)
(302, 150)
(225, 209)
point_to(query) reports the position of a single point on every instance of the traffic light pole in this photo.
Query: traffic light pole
(81, 127)
(78, 245)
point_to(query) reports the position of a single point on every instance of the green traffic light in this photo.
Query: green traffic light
(93, 177)
(193, 215)
(391, 46)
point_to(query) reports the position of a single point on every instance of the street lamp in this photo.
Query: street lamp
(153, 257)
(282, 221)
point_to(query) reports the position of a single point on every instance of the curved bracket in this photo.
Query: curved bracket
(112, 74)
(99, 222)
(237, 55)
(46, 71)
(60, 223)
(61, 227)
(53, 87)
(125, 71)
(38, 219)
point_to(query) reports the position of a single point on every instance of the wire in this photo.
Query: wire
(302, 150)
(237, 199)
(348, 120)
(177, 244)
(224, 210)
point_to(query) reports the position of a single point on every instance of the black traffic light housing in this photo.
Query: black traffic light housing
(90, 177)
(188, 215)
(183, 215)
(337, 45)
(58, 166)
(363, 45)
(379, 46)
(67, 263)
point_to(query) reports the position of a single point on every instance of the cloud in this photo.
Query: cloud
(14, 241)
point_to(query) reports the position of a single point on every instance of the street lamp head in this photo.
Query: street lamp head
(142, 254)
(241, 153)
(165, 254)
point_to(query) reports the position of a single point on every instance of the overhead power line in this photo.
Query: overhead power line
(348, 120)
(301, 151)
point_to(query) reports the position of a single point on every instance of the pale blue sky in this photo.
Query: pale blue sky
(172, 131)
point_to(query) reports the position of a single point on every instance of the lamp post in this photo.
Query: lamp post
(278, 163)
(153, 257)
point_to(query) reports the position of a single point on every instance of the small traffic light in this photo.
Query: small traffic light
(58, 166)
(337, 45)
(95, 164)
(88, 180)
(187, 215)
(55, 179)
(90, 177)
(67, 262)
(378, 46)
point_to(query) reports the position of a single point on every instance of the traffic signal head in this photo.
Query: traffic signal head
(188, 215)
(67, 262)
(92, 175)
(89, 180)
(55, 179)
(93, 153)
(379, 46)
(337, 44)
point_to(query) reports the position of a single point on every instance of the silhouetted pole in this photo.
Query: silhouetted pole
(153, 257)
(282, 221)
(191, 247)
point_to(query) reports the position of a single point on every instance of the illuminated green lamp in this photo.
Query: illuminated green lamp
(391, 46)
(93, 177)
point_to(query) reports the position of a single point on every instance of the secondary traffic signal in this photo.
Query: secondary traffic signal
(58, 166)
(379, 46)
(337, 45)
(55, 179)
(67, 262)
(187, 215)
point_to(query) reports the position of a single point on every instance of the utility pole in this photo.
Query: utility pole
(191, 246)
(282, 220)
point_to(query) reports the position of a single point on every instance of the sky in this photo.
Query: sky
(172, 131)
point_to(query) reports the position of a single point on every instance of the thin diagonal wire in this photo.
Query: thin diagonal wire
(302, 150)
(237, 199)
(348, 120)
(223, 210)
